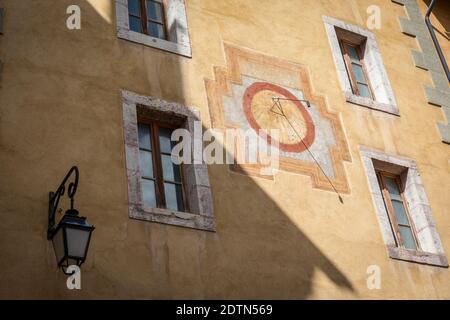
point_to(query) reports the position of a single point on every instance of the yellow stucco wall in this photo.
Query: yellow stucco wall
(61, 105)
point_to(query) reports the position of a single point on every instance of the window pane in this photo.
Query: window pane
(156, 30)
(392, 186)
(135, 24)
(174, 197)
(134, 7)
(144, 136)
(353, 53)
(407, 237)
(171, 172)
(400, 212)
(359, 73)
(148, 193)
(165, 144)
(146, 164)
(154, 11)
(364, 90)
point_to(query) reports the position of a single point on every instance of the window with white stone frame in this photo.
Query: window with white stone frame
(367, 83)
(192, 206)
(402, 208)
(160, 24)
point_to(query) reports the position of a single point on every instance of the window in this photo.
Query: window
(360, 67)
(147, 16)
(353, 57)
(402, 208)
(160, 24)
(1, 19)
(394, 200)
(158, 190)
(161, 180)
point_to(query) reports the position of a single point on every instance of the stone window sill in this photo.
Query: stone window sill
(418, 256)
(371, 104)
(166, 216)
(153, 42)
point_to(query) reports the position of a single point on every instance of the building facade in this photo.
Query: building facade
(355, 90)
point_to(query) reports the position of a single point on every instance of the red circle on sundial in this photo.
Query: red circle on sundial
(264, 90)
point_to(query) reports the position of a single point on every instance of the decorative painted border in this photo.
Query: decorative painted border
(195, 176)
(384, 96)
(178, 42)
(221, 86)
(427, 59)
(431, 252)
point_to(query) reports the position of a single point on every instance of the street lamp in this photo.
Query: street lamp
(72, 235)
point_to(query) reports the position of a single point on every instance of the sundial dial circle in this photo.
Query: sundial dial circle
(295, 125)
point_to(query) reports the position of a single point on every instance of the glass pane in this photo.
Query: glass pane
(165, 144)
(353, 53)
(148, 193)
(407, 237)
(171, 172)
(400, 212)
(392, 186)
(156, 30)
(58, 245)
(359, 73)
(135, 24)
(77, 241)
(364, 90)
(134, 7)
(146, 164)
(174, 197)
(154, 11)
(144, 136)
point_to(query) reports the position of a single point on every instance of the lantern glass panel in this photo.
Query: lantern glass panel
(77, 241)
(58, 244)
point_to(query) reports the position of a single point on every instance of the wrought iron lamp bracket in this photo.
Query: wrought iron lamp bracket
(54, 198)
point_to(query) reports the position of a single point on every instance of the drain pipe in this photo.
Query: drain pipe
(435, 40)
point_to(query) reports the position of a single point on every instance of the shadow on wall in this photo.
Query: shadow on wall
(258, 248)
(257, 252)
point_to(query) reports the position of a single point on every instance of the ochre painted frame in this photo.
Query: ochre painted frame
(231, 74)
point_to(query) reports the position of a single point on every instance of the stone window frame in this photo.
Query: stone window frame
(195, 176)
(432, 251)
(384, 96)
(177, 28)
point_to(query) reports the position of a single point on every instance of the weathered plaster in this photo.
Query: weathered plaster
(427, 58)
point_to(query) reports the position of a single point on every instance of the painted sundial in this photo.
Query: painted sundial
(268, 106)
(258, 93)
